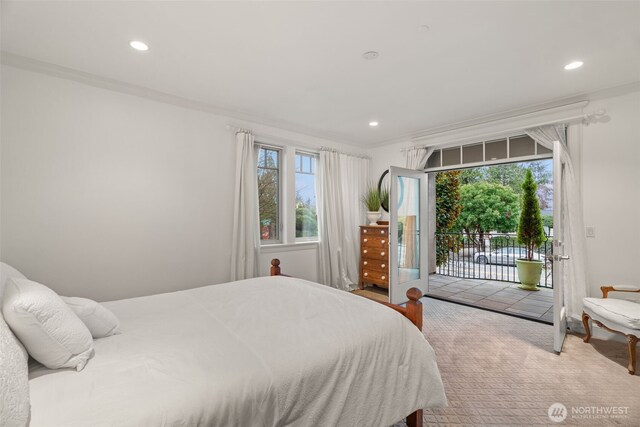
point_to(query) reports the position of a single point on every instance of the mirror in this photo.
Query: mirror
(383, 182)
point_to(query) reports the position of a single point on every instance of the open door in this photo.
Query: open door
(408, 245)
(559, 255)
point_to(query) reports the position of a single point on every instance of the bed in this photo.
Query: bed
(270, 351)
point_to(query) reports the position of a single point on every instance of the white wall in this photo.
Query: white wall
(611, 191)
(108, 195)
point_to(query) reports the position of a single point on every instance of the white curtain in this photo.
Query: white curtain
(574, 280)
(417, 157)
(245, 245)
(342, 180)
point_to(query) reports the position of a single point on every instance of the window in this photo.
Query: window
(306, 216)
(269, 160)
(513, 148)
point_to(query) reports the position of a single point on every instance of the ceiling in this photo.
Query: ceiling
(299, 65)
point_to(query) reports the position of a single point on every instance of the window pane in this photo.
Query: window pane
(434, 160)
(495, 150)
(472, 153)
(544, 150)
(521, 146)
(269, 193)
(306, 216)
(451, 156)
(298, 162)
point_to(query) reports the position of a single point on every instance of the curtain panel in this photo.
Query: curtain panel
(574, 280)
(342, 180)
(245, 245)
(417, 157)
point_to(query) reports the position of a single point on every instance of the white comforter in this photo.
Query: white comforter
(272, 351)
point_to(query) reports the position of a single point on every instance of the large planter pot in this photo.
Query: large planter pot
(373, 217)
(529, 274)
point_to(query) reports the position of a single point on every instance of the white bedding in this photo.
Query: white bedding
(272, 351)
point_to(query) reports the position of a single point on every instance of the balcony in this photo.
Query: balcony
(480, 270)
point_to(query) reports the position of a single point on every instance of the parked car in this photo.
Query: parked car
(504, 256)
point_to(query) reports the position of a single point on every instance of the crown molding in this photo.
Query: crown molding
(536, 111)
(432, 133)
(101, 82)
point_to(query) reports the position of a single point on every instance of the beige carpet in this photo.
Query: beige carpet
(501, 370)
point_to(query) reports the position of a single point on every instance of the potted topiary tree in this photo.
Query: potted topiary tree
(531, 235)
(372, 201)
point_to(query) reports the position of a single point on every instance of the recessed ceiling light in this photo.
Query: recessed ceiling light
(373, 124)
(371, 55)
(573, 65)
(138, 45)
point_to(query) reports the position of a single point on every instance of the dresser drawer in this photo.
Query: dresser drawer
(375, 231)
(374, 242)
(376, 277)
(375, 264)
(374, 253)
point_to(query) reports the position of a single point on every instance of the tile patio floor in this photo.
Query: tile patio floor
(498, 296)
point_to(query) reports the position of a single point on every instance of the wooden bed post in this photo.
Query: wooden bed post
(275, 267)
(414, 307)
(413, 312)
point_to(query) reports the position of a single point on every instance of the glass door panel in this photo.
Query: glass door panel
(407, 233)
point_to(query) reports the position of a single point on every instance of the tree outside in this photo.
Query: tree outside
(513, 175)
(487, 207)
(448, 209)
(268, 193)
(306, 217)
(530, 230)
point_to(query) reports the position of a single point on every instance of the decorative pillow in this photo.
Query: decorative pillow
(47, 327)
(6, 271)
(100, 321)
(14, 379)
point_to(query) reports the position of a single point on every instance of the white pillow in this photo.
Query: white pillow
(47, 327)
(14, 379)
(6, 271)
(100, 321)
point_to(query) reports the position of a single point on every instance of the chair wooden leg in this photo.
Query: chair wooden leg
(585, 323)
(415, 419)
(632, 341)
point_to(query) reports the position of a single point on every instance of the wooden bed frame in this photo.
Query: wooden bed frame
(412, 311)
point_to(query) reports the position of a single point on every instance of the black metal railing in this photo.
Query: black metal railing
(490, 256)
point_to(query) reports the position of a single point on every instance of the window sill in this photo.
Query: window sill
(286, 247)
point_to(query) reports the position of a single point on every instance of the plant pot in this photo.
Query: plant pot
(529, 274)
(373, 217)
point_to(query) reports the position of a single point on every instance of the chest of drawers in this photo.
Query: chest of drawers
(374, 255)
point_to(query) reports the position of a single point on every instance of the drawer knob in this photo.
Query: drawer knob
(383, 277)
(383, 265)
(364, 231)
(366, 262)
(382, 242)
(381, 231)
(366, 240)
(381, 253)
(365, 251)
(366, 274)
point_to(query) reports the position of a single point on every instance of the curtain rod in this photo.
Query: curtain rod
(333, 150)
(237, 129)
(586, 118)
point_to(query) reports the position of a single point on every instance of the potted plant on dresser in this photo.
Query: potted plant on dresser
(372, 202)
(530, 235)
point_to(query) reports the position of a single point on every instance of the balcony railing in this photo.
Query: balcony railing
(490, 256)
